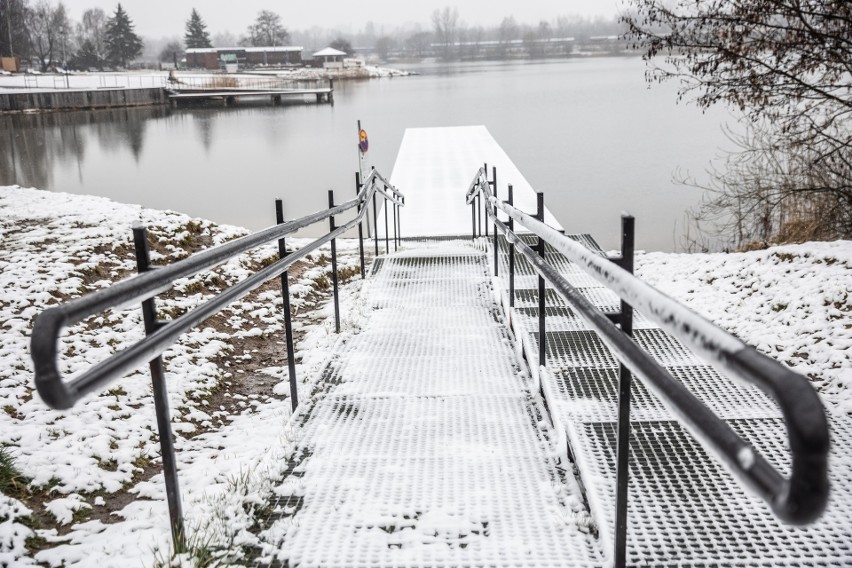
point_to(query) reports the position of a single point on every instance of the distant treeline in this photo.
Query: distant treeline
(42, 36)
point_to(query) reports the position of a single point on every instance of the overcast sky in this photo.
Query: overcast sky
(155, 18)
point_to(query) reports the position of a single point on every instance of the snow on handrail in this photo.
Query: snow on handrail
(375, 176)
(61, 394)
(799, 498)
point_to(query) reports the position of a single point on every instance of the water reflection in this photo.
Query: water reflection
(33, 145)
(586, 132)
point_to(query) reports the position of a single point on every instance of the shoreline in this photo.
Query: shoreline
(93, 91)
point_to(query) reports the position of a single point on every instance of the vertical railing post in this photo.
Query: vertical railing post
(334, 265)
(541, 290)
(161, 402)
(473, 217)
(395, 235)
(511, 252)
(496, 244)
(478, 213)
(485, 202)
(387, 230)
(624, 383)
(375, 219)
(360, 225)
(399, 219)
(288, 320)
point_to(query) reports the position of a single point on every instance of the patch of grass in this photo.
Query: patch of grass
(108, 465)
(784, 256)
(193, 288)
(35, 543)
(12, 482)
(779, 307)
(264, 262)
(80, 515)
(322, 283)
(141, 462)
(346, 274)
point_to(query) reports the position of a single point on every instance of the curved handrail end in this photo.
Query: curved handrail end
(43, 345)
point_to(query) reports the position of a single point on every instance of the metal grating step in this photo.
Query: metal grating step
(424, 427)
(584, 239)
(462, 319)
(410, 293)
(585, 349)
(524, 268)
(562, 318)
(687, 510)
(424, 342)
(444, 517)
(591, 395)
(435, 375)
(429, 267)
(575, 278)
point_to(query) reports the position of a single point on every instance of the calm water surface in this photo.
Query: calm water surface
(587, 132)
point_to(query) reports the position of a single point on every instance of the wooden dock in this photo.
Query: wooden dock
(230, 96)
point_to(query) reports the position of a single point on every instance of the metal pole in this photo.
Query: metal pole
(288, 321)
(361, 173)
(360, 226)
(481, 205)
(496, 257)
(479, 214)
(473, 218)
(376, 224)
(387, 231)
(541, 291)
(395, 236)
(511, 252)
(624, 382)
(161, 401)
(334, 265)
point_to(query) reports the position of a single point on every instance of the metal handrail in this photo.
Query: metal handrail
(374, 176)
(61, 394)
(797, 499)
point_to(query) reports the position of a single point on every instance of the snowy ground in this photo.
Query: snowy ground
(792, 302)
(91, 492)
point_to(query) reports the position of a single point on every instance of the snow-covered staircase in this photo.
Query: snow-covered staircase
(684, 508)
(431, 446)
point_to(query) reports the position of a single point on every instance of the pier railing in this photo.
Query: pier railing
(61, 393)
(799, 498)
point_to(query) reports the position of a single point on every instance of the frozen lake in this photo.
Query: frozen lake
(587, 132)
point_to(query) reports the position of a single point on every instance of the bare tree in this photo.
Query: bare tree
(266, 31)
(48, 28)
(785, 64)
(14, 40)
(445, 23)
(418, 43)
(92, 27)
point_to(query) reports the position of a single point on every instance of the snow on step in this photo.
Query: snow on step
(429, 448)
(434, 168)
(684, 508)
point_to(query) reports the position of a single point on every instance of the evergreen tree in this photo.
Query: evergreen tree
(122, 43)
(87, 56)
(196, 32)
